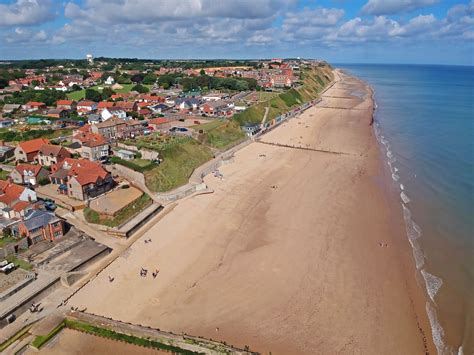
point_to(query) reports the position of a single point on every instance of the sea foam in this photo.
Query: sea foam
(433, 284)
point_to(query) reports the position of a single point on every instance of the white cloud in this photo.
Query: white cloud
(26, 12)
(390, 7)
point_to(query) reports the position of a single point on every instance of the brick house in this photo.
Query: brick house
(81, 179)
(111, 129)
(40, 225)
(34, 106)
(50, 154)
(15, 200)
(27, 151)
(86, 106)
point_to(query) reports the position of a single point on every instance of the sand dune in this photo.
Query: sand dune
(284, 256)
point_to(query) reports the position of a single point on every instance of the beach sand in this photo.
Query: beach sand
(284, 256)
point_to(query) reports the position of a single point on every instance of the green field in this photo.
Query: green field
(179, 162)
(79, 95)
(220, 134)
(4, 174)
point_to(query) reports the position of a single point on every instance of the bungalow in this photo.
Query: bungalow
(50, 154)
(70, 105)
(93, 146)
(81, 178)
(86, 106)
(109, 81)
(125, 154)
(27, 151)
(216, 108)
(34, 106)
(28, 174)
(40, 225)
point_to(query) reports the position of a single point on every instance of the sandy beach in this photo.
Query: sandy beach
(299, 249)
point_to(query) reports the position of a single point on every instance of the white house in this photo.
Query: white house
(113, 111)
(109, 81)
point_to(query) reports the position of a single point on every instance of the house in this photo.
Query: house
(103, 105)
(70, 105)
(113, 111)
(111, 129)
(50, 154)
(40, 225)
(28, 174)
(86, 106)
(58, 113)
(145, 112)
(215, 96)
(93, 146)
(127, 106)
(81, 179)
(15, 200)
(34, 106)
(215, 108)
(10, 108)
(27, 151)
(6, 152)
(159, 108)
(93, 118)
(125, 154)
(109, 81)
(159, 123)
(133, 129)
(189, 104)
(4, 123)
(281, 80)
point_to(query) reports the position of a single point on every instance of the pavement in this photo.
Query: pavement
(115, 200)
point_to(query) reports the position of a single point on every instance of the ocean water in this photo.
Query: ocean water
(425, 125)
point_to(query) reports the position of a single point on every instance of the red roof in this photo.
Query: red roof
(90, 139)
(10, 192)
(83, 170)
(33, 145)
(20, 206)
(158, 120)
(105, 104)
(21, 168)
(35, 104)
(86, 103)
(64, 102)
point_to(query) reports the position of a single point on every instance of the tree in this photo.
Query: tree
(140, 88)
(149, 79)
(93, 95)
(137, 78)
(202, 72)
(107, 93)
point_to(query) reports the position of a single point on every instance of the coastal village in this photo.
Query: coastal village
(91, 151)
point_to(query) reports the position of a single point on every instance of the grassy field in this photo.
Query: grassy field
(79, 95)
(17, 136)
(179, 162)
(124, 215)
(40, 340)
(220, 134)
(313, 82)
(6, 240)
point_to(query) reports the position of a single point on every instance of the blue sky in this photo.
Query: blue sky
(366, 31)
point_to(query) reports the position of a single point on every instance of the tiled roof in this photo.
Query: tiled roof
(33, 145)
(21, 168)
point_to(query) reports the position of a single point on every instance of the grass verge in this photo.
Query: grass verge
(220, 134)
(40, 340)
(130, 339)
(19, 262)
(14, 338)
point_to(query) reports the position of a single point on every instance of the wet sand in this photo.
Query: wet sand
(285, 255)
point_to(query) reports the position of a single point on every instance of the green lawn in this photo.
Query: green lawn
(79, 95)
(40, 340)
(220, 134)
(124, 215)
(179, 162)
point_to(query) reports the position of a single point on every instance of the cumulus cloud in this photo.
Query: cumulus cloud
(26, 12)
(390, 7)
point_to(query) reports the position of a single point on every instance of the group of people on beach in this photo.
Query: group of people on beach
(144, 272)
(383, 244)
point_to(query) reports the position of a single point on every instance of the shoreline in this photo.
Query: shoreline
(234, 265)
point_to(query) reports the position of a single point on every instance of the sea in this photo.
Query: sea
(424, 122)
